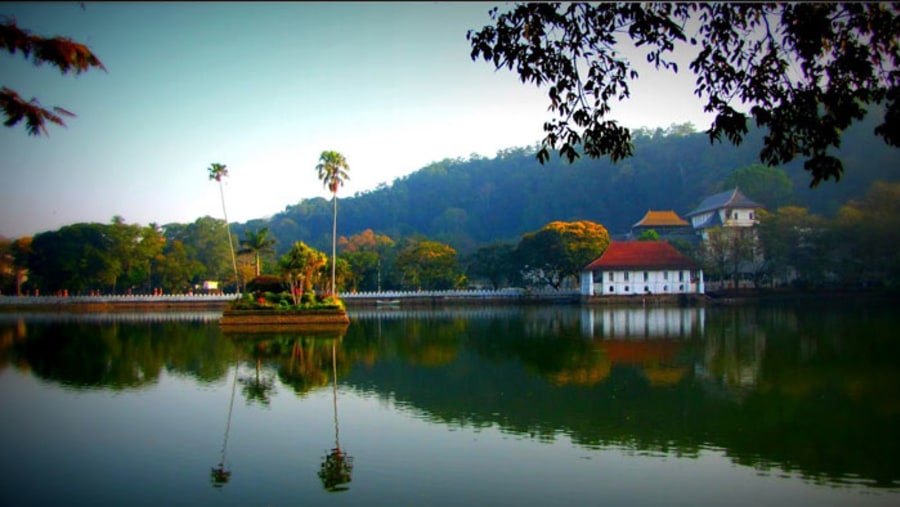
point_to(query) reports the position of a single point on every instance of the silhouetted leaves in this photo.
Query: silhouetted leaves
(61, 52)
(807, 71)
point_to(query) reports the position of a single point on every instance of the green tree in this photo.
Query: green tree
(731, 252)
(333, 171)
(430, 265)
(60, 52)
(649, 235)
(865, 237)
(366, 254)
(560, 250)
(131, 252)
(257, 243)
(202, 240)
(769, 186)
(174, 269)
(217, 172)
(792, 240)
(75, 258)
(495, 263)
(806, 71)
(300, 266)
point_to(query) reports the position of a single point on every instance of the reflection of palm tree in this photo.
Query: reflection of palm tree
(337, 467)
(219, 475)
(258, 388)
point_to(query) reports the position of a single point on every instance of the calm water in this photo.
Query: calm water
(785, 404)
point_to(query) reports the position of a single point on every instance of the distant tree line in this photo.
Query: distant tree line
(117, 258)
(792, 245)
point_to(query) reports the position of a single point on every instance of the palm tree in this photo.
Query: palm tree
(217, 172)
(258, 243)
(333, 171)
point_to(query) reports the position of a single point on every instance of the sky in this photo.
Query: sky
(264, 88)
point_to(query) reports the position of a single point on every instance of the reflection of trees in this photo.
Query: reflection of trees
(337, 467)
(121, 355)
(258, 387)
(431, 343)
(734, 346)
(301, 360)
(808, 389)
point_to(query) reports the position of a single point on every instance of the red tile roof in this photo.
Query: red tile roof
(641, 255)
(661, 219)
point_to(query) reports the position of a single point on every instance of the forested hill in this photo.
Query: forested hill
(469, 203)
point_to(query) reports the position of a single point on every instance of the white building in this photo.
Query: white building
(641, 268)
(726, 209)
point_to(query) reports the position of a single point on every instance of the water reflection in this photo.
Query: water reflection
(219, 475)
(805, 390)
(336, 469)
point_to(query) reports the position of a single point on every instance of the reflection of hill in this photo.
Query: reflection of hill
(540, 375)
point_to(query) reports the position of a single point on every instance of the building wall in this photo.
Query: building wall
(732, 217)
(629, 283)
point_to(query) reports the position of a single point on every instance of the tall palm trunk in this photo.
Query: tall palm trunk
(237, 280)
(333, 242)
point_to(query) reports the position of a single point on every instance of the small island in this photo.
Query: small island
(269, 312)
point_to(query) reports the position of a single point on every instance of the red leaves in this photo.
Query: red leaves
(17, 109)
(65, 54)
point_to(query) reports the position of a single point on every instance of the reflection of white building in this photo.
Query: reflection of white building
(642, 323)
(641, 268)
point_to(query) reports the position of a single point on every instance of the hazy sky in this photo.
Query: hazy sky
(263, 88)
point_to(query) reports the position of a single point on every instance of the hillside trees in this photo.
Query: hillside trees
(60, 52)
(806, 71)
(769, 186)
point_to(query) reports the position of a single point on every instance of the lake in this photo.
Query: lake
(785, 403)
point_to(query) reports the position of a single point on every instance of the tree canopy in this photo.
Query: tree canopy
(803, 71)
(560, 250)
(61, 52)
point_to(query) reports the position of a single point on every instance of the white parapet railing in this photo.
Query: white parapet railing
(474, 294)
(118, 298)
(511, 293)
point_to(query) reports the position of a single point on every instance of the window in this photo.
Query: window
(646, 276)
(610, 276)
(681, 276)
(611, 288)
(665, 275)
(626, 276)
(751, 215)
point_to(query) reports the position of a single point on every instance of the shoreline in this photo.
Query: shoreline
(89, 304)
